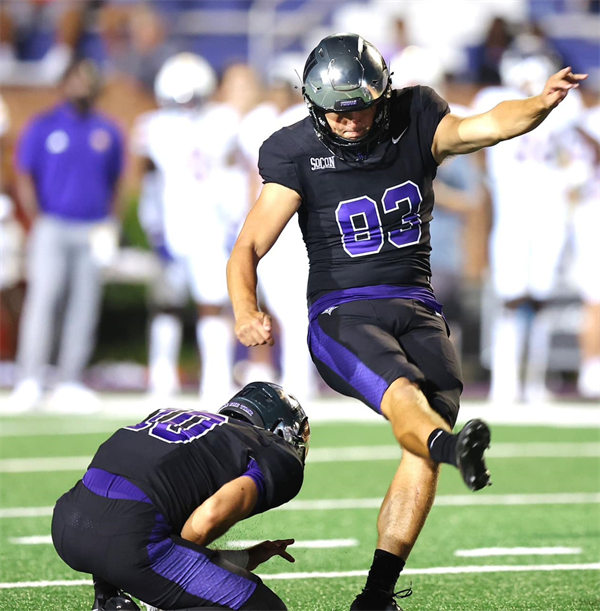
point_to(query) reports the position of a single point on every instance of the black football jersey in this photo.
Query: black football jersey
(180, 458)
(366, 222)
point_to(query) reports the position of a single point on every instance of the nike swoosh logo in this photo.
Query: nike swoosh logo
(395, 140)
(434, 440)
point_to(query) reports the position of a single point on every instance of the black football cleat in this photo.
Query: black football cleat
(102, 592)
(371, 599)
(120, 602)
(472, 442)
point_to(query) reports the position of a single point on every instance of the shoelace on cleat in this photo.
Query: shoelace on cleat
(403, 593)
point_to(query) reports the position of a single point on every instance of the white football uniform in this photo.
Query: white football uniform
(204, 189)
(529, 196)
(586, 214)
(283, 272)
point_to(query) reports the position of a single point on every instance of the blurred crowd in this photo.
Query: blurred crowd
(105, 103)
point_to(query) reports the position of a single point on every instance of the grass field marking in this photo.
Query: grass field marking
(32, 540)
(497, 450)
(453, 500)
(439, 570)
(326, 455)
(545, 450)
(119, 407)
(52, 431)
(484, 552)
(448, 500)
(308, 544)
(235, 544)
(557, 498)
(43, 464)
(444, 570)
(26, 512)
(67, 583)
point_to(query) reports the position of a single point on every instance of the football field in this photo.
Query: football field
(531, 541)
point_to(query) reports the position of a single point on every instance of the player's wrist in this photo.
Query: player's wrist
(239, 557)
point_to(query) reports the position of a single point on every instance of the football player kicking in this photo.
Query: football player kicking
(359, 174)
(157, 493)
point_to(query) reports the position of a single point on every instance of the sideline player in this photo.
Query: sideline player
(529, 193)
(359, 173)
(157, 493)
(586, 220)
(190, 207)
(69, 165)
(283, 275)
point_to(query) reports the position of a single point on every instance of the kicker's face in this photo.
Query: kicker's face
(352, 125)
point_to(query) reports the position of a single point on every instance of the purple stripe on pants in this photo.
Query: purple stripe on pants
(198, 575)
(190, 568)
(347, 365)
(113, 486)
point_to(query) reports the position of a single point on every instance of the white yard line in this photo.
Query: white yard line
(442, 500)
(46, 584)
(326, 455)
(234, 544)
(497, 450)
(441, 570)
(484, 552)
(129, 406)
(308, 544)
(39, 465)
(453, 500)
(26, 512)
(32, 540)
(445, 570)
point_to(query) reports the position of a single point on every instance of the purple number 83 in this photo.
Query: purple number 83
(360, 224)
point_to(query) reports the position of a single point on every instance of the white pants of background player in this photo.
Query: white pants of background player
(586, 221)
(203, 275)
(526, 246)
(283, 274)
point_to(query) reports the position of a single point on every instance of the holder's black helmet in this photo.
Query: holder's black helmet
(343, 73)
(268, 406)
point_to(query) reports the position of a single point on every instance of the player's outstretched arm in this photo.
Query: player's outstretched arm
(228, 505)
(459, 135)
(264, 223)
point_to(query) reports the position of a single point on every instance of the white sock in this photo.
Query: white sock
(297, 370)
(538, 354)
(588, 382)
(165, 343)
(215, 343)
(508, 342)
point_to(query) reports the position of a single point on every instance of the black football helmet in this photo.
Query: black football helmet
(268, 406)
(344, 73)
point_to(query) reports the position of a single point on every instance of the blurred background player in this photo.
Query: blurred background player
(458, 192)
(159, 492)
(12, 251)
(193, 196)
(182, 86)
(529, 196)
(283, 275)
(69, 160)
(586, 221)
